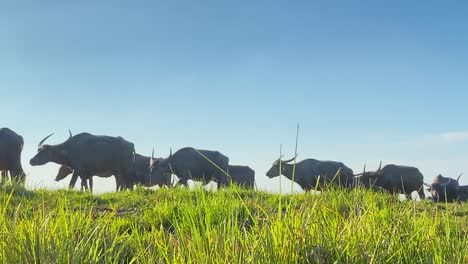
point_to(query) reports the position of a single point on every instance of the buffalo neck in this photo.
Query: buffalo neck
(287, 170)
(61, 155)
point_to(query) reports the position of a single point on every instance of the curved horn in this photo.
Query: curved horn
(289, 160)
(459, 176)
(70, 133)
(42, 141)
(380, 166)
(362, 173)
(152, 156)
(170, 152)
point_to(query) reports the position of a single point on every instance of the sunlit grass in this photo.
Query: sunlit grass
(228, 226)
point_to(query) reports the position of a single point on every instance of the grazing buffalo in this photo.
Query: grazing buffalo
(11, 145)
(142, 167)
(313, 174)
(142, 164)
(189, 163)
(64, 171)
(89, 155)
(444, 189)
(395, 179)
(242, 175)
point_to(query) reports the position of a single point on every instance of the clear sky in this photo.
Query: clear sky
(367, 81)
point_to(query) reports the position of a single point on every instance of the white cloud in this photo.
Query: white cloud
(453, 137)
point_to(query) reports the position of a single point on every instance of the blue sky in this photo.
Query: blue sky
(367, 81)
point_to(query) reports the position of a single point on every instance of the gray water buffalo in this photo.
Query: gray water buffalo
(189, 163)
(142, 169)
(64, 171)
(395, 179)
(143, 164)
(89, 155)
(313, 174)
(444, 189)
(11, 145)
(242, 175)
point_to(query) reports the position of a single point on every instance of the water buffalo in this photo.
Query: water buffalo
(189, 163)
(444, 189)
(11, 145)
(395, 179)
(142, 164)
(313, 174)
(64, 171)
(242, 175)
(89, 155)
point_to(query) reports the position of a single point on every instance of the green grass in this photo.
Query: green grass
(228, 226)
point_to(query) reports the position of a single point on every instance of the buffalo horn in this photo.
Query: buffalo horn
(42, 141)
(289, 160)
(459, 176)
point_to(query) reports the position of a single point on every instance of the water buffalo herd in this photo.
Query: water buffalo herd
(85, 155)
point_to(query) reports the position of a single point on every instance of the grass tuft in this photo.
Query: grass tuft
(232, 225)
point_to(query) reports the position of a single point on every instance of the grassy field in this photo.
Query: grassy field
(229, 226)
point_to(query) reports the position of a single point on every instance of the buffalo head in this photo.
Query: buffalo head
(274, 171)
(158, 168)
(63, 172)
(49, 153)
(444, 189)
(368, 179)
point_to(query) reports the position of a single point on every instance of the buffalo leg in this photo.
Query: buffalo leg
(91, 183)
(74, 179)
(84, 183)
(421, 193)
(168, 182)
(117, 184)
(183, 181)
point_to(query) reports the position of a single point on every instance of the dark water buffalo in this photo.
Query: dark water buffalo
(314, 174)
(444, 189)
(142, 164)
(189, 163)
(242, 175)
(89, 155)
(64, 171)
(395, 179)
(142, 167)
(11, 145)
